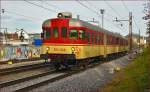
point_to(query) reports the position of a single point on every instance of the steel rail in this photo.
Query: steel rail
(25, 89)
(12, 82)
(77, 69)
(21, 68)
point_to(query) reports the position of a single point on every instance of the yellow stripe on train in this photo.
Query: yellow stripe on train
(82, 51)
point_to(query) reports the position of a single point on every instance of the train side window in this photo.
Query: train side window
(108, 40)
(81, 34)
(117, 41)
(73, 34)
(97, 39)
(55, 32)
(87, 36)
(64, 32)
(101, 39)
(93, 38)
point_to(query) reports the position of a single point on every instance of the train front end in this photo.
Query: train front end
(56, 47)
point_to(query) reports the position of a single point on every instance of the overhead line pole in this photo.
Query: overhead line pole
(102, 12)
(139, 37)
(5, 34)
(130, 29)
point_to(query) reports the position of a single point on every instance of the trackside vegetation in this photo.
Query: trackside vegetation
(134, 78)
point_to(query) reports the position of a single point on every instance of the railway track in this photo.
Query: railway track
(22, 68)
(61, 74)
(38, 80)
(47, 81)
(31, 82)
(21, 60)
(24, 83)
(16, 81)
(75, 70)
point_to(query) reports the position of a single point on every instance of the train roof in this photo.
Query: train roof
(81, 23)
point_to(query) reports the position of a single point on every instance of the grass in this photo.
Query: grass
(134, 78)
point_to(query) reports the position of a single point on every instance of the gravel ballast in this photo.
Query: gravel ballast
(90, 80)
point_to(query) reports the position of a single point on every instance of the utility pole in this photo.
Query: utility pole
(5, 34)
(139, 37)
(102, 12)
(78, 17)
(130, 29)
(105, 36)
(93, 19)
(5, 29)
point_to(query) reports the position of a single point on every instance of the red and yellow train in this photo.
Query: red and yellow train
(66, 40)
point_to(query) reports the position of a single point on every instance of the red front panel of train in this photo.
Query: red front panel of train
(55, 29)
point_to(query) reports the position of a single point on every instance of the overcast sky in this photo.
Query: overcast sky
(22, 14)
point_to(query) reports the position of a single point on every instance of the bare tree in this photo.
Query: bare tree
(147, 18)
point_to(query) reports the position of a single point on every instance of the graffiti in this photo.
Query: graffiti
(19, 52)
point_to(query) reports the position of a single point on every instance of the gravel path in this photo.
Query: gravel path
(88, 81)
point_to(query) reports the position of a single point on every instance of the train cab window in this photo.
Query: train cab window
(63, 32)
(55, 32)
(44, 31)
(81, 34)
(47, 34)
(73, 34)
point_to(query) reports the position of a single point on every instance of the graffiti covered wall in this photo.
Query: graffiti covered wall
(19, 52)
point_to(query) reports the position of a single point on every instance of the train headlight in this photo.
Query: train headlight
(47, 49)
(72, 49)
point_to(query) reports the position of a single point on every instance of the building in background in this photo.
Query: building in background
(11, 46)
(1, 38)
(14, 38)
(135, 40)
